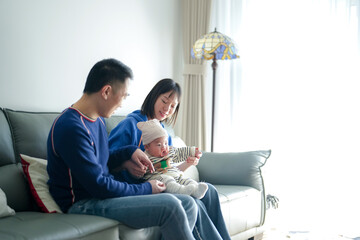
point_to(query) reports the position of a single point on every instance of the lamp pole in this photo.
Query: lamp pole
(214, 66)
(206, 47)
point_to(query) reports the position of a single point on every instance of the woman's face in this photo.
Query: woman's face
(165, 105)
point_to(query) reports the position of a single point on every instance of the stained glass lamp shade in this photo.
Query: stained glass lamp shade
(215, 46)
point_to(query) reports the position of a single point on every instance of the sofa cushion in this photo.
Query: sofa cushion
(5, 210)
(13, 183)
(37, 176)
(128, 233)
(36, 225)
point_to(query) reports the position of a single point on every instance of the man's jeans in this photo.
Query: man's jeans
(175, 214)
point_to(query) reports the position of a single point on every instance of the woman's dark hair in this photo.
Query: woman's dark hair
(163, 86)
(107, 71)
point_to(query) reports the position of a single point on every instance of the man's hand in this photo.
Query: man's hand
(142, 160)
(139, 164)
(157, 186)
(134, 169)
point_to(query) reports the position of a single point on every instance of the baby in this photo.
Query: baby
(163, 156)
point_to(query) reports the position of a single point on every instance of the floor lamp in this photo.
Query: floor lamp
(215, 46)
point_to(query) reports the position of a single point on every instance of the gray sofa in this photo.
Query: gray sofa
(237, 177)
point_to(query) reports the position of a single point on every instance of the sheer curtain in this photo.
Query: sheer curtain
(196, 16)
(295, 90)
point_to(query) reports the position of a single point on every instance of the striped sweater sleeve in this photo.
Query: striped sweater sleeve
(181, 154)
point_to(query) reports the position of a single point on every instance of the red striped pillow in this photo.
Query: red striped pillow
(37, 176)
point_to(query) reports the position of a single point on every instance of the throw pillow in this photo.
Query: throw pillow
(37, 176)
(5, 210)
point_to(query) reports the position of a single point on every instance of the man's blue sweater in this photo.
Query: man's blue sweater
(78, 154)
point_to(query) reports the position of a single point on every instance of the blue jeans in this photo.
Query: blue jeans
(175, 218)
(174, 214)
(210, 223)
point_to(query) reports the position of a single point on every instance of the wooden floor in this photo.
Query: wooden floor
(278, 229)
(274, 234)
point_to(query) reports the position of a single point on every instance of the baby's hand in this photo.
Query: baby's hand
(198, 153)
(192, 161)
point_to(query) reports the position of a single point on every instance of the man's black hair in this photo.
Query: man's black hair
(107, 71)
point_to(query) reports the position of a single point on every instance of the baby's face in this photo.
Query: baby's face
(158, 148)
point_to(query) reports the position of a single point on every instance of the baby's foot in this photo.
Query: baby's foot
(200, 190)
(188, 189)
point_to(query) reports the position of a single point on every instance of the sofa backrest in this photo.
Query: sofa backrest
(6, 144)
(113, 122)
(25, 133)
(30, 132)
(12, 180)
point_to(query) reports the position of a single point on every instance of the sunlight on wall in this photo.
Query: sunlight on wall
(299, 96)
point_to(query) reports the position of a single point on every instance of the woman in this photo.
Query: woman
(162, 103)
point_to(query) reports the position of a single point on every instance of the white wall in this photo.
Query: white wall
(48, 47)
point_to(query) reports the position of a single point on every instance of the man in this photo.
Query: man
(79, 179)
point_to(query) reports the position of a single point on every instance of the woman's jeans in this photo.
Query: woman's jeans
(174, 214)
(210, 223)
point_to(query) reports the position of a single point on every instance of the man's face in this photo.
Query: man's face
(118, 93)
(158, 148)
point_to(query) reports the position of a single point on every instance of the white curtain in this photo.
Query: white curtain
(295, 90)
(196, 17)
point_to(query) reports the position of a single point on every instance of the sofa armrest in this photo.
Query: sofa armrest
(239, 168)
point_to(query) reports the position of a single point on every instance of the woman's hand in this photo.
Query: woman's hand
(157, 186)
(133, 169)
